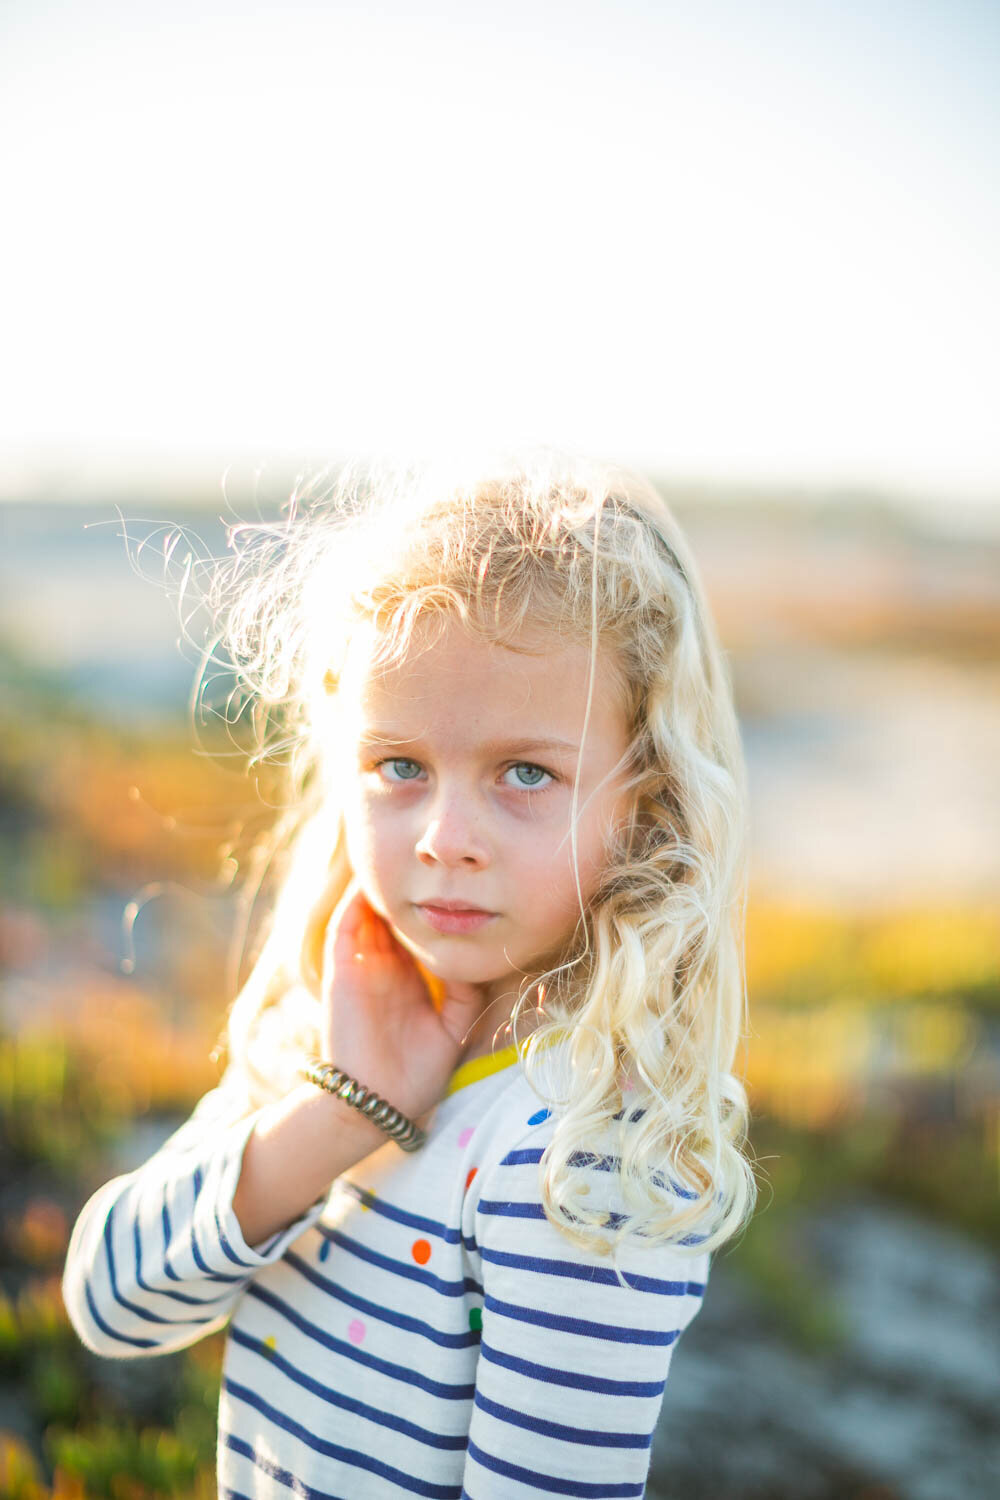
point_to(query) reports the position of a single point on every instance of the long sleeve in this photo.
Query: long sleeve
(572, 1365)
(157, 1259)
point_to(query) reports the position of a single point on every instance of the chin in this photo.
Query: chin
(448, 963)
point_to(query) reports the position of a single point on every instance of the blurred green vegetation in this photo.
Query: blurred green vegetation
(868, 1067)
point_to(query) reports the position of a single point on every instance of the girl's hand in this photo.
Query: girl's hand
(378, 1019)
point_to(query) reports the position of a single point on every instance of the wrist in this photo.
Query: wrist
(363, 1099)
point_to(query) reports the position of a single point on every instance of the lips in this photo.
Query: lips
(455, 906)
(457, 920)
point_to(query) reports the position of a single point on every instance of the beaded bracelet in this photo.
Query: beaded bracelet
(335, 1081)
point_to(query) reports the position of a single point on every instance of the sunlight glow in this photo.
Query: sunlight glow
(744, 252)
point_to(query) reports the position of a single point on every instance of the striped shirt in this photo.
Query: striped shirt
(422, 1329)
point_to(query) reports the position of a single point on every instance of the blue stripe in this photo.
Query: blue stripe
(227, 1248)
(559, 1430)
(348, 1351)
(237, 1260)
(198, 1260)
(337, 1451)
(513, 1210)
(463, 1340)
(269, 1245)
(532, 1156)
(572, 1378)
(508, 1210)
(401, 1216)
(400, 1268)
(283, 1476)
(601, 1274)
(347, 1403)
(548, 1484)
(505, 1209)
(613, 1332)
(167, 1235)
(161, 1291)
(121, 1338)
(133, 1307)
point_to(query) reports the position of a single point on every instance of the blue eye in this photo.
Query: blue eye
(526, 765)
(523, 765)
(399, 762)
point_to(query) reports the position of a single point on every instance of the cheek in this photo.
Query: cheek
(593, 854)
(360, 835)
(372, 841)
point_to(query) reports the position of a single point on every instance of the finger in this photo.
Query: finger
(364, 936)
(379, 934)
(344, 935)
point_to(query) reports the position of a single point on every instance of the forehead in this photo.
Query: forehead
(454, 681)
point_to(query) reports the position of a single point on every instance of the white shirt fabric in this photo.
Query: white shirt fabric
(422, 1329)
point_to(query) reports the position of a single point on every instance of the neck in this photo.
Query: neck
(492, 1030)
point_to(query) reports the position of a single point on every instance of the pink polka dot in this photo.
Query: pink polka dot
(356, 1330)
(465, 1136)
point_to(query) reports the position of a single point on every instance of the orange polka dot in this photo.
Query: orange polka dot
(421, 1251)
(468, 1180)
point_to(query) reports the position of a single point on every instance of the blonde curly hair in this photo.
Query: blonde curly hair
(651, 1000)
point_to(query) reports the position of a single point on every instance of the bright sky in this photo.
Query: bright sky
(748, 241)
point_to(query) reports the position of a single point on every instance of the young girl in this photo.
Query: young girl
(478, 1133)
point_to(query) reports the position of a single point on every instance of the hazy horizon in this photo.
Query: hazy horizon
(755, 247)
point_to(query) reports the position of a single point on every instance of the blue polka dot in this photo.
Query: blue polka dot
(324, 1250)
(542, 1114)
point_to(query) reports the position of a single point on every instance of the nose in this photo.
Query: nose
(454, 834)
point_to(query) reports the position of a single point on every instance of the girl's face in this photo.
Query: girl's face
(457, 776)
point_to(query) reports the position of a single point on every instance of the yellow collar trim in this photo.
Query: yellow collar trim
(481, 1067)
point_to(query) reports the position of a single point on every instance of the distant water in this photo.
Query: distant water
(77, 599)
(873, 770)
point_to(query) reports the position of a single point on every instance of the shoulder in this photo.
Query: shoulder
(515, 1133)
(502, 1112)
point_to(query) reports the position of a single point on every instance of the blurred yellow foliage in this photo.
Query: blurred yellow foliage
(36, 1316)
(19, 1474)
(127, 1052)
(153, 806)
(921, 951)
(808, 1068)
(21, 1478)
(801, 954)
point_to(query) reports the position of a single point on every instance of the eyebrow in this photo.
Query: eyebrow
(512, 747)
